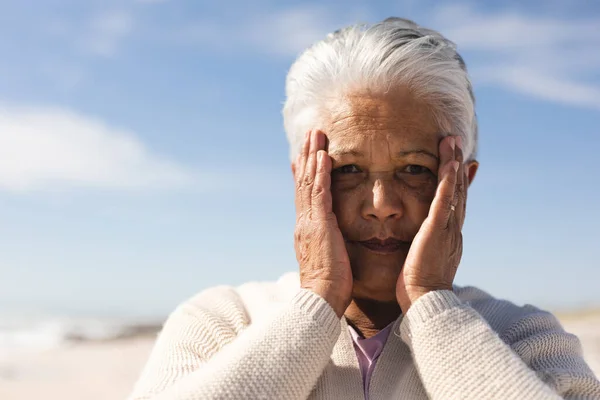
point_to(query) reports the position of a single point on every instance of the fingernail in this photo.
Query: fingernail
(452, 143)
(306, 135)
(459, 143)
(455, 165)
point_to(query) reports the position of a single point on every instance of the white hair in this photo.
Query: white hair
(378, 58)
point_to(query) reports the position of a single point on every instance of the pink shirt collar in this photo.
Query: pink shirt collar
(367, 352)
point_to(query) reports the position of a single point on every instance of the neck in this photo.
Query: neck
(369, 317)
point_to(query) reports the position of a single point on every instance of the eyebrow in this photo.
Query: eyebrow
(355, 153)
(419, 151)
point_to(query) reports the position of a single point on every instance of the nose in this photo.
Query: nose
(385, 203)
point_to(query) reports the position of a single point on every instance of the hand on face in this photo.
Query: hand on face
(436, 250)
(434, 254)
(318, 241)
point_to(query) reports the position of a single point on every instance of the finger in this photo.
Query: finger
(296, 187)
(321, 194)
(442, 204)
(460, 191)
(303, 156)
(310, 170)
(300, 167)
(446, 151)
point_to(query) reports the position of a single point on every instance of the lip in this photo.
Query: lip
(386, 246)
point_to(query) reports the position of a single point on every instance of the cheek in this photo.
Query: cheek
(346, 205)
(424, 191)
(417, 198)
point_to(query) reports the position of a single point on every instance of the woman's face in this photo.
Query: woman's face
(384, 178)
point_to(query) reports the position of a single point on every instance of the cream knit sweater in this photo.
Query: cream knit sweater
(275, 341)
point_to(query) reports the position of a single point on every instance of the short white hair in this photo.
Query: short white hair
(378, 58)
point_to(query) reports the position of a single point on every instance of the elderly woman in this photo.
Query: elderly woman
(383, 136)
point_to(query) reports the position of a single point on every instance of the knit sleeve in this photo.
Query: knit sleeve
(555, 355)
(280, 358)
(458, 355)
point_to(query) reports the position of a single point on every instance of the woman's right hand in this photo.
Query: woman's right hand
(320, 248)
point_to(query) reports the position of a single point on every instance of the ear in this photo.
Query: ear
(294, 170)
(471, 170)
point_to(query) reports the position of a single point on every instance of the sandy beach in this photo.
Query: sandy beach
(107, 370)
(91, 371)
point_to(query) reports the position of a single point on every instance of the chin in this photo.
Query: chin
(375, 276)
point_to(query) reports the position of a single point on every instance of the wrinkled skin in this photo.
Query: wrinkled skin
(386, 169)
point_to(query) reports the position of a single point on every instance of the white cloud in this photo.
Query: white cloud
(559, 89)
(553, 59)
(280, 33)
(289, 32)
(106, 31)
(548, 58)
(43, 148)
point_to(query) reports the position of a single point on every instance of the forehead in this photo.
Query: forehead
(399, 119)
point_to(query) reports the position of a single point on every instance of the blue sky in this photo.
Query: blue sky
(142, 154)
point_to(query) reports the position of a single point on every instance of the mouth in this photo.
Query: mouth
(385, 246)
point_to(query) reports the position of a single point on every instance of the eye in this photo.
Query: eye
(347, 169)
(416, 169)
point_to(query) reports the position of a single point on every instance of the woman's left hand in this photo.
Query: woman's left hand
(436, 250)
